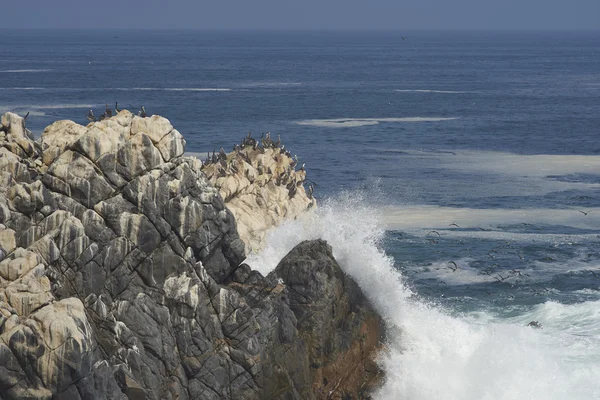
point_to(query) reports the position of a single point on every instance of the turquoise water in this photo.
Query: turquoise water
(466, 162)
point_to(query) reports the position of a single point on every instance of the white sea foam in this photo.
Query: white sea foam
(540, 165)
(175, 89)
(530, 165)
(430, 91)
(19, 71)
(270, 84)
(485, 174)
(355, 122)
(36, 113)
(22, 88)
(532, 272)
(36, 110)
(433, 355)
(436, 217)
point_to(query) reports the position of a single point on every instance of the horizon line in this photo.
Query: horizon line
(313, 30)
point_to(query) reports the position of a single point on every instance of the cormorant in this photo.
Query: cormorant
(91, 116)
(117, 107)
(142, 112)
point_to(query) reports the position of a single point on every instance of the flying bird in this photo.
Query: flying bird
(454, 225)
(585, 213)
(455, 266)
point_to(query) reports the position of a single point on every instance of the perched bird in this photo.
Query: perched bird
(107, 111)
(91, 117)
(24, 121)
(142, 112)
(311, 189)
(117, 108)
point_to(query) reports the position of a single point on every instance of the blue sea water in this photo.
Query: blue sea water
(458, 175)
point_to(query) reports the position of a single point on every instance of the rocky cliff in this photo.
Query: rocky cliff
(122, 276)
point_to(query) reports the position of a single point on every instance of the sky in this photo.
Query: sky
(302, 14)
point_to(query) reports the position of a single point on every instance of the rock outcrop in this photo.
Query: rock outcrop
(341, 331)
(121, 277)
(261, 185)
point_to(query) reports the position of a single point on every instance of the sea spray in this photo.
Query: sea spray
(431, 353)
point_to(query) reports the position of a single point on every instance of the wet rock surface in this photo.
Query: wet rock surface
(121, 277)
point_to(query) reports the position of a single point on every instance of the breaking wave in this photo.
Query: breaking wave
(432, 354)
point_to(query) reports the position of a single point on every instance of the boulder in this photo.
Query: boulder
(342, 332)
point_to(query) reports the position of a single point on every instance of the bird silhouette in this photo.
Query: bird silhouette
(455, 266)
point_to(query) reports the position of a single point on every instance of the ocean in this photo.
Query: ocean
(457, 174)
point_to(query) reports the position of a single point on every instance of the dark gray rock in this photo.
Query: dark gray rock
(333, 318)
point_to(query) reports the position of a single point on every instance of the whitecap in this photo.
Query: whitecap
(22, 88)
(355, 122)
(270, 84)
(18, 71)
(175, 89)
(45, 106)
(430, 91)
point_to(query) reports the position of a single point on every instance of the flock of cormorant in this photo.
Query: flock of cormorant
(265, 142)
(108, 113)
